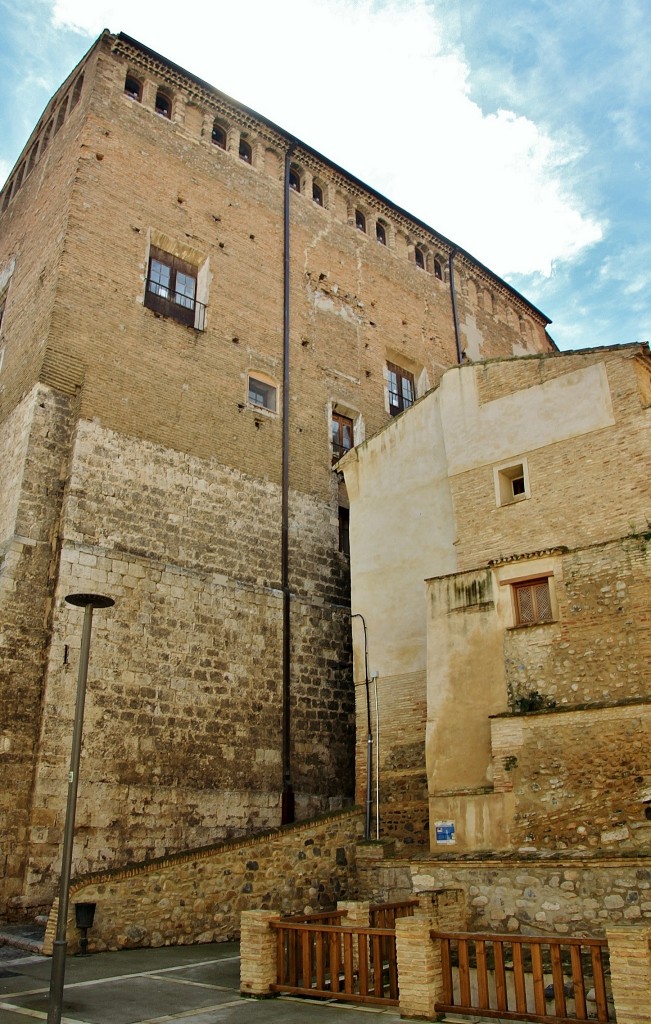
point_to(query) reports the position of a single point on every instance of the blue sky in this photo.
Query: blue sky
(518, 128)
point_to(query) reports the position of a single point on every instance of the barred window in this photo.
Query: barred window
(532, 602)
(342, 435)
(171, 288)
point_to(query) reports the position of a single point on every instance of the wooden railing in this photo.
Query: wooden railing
(385, 915)
(524, 977)
(355, 965)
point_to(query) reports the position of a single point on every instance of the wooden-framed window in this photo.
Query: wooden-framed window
(360, 221)
(172, 287)
(163, 105)
(245, 152)
(532, 601)
(419, 258)
(438, 269)
(262, 394)
(342, 435)
(317, 194)
(133, 88)
(401, 388)
(218, 135)
(380, 232)
(294, 179)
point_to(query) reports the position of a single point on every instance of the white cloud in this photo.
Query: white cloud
(380, 89)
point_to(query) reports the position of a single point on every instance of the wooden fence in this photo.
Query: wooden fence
(355, 965)
(524, 977)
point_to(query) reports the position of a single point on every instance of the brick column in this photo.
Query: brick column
(357, 913)
(630, 968)
(419, 968)
(257, 953)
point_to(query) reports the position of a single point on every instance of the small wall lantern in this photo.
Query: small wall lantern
(84, 917)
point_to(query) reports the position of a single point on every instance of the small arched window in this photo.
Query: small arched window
(360, 221)
(76, 92)
(419, 257)
(32, 157)
(380, 232)
(7, 195)
(438, 269)
(317, 194)
(163, 105)
(46, 134)
(246, 153)
(61, 115)
(294, 179)
(19, 177)
(218, 137)
(133, 88)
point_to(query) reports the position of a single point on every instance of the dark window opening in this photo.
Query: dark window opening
(401, 389)
(380, 233)
(294, 179)
(61, 115)
(246, 153)
(133, 88)
(218, 137)
(19, 177)
(163, 105)
(342, 435)
(360, 221)
(518, 485)
(7, 195)
(438, 270)
(76, 92)
(172, 288)
(46, 134)
(317, 194)
(344, 531)
(532, 602)
(262, 394)
(419, 258)
(32, 157)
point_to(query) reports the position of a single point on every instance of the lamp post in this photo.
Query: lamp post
(57, 975)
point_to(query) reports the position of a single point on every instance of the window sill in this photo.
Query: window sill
(533, 625)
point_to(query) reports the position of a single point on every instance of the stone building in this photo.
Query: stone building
(199, 314)
(509, 641)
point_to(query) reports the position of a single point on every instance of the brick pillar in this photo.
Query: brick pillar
(630, 968)
(357, 913)
(357, 916)
(419, 968)
(257, 953)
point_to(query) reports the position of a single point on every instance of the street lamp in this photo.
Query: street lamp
(57, 975)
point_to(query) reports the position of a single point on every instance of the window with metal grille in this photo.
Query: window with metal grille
(342, 435)
(401, 389)
(532, 602)
(172, 288)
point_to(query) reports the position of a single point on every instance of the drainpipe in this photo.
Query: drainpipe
(455, 314)
(369, 734)
(287, 800)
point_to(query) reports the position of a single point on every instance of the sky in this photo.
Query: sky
(520, 129)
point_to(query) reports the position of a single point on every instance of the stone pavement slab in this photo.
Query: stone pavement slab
(171, 985)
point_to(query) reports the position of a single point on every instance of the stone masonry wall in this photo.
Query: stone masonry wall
(559, 896)
(199, 896)
(182, 734)
(33, 454)
(581, 778)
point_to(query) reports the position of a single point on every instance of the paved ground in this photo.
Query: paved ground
(179, 984)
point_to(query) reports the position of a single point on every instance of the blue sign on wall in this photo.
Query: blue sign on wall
(444, 832)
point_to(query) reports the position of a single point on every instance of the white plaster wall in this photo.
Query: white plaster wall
(401, 531)
(477, 435)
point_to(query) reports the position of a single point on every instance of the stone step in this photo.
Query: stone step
(27, 935)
